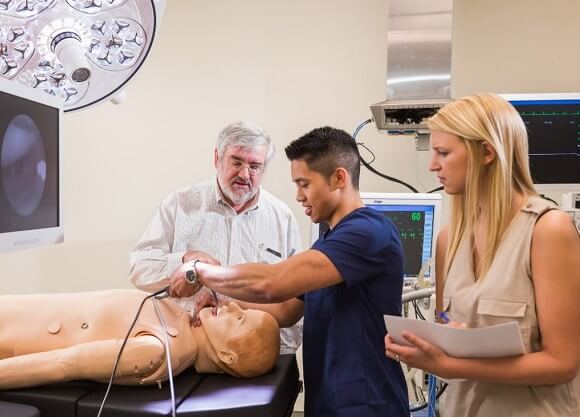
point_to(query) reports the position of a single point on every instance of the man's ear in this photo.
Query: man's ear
(215, 157)
(339, 178)
(227, 356)
(489, 153)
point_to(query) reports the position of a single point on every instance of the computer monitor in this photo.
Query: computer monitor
(30, 173)
(553, 124)
(418, 219)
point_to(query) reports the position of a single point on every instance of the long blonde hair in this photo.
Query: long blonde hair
(478, 119)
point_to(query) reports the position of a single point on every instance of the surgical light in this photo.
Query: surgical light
(82, 51)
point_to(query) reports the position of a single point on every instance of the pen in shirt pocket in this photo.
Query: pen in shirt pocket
(274, 252)
(278, 254)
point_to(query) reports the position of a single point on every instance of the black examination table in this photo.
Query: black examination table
(270, 395)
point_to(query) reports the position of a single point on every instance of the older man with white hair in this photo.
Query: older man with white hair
(227, 220)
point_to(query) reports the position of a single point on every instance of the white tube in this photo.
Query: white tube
(72, 57)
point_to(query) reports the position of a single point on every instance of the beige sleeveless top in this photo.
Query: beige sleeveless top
(505, 294)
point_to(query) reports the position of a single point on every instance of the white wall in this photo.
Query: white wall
(289, 66)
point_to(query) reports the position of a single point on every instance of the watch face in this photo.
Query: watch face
(190, 276)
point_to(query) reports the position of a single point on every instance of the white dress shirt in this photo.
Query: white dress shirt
(197, 218)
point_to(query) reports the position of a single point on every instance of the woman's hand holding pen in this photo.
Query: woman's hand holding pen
(445, 319)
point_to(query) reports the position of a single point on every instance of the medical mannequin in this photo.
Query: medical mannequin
(50, 338)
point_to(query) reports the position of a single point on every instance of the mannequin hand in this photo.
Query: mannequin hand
(200, 256)
(422, 355)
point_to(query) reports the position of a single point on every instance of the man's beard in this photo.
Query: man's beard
(238, 197)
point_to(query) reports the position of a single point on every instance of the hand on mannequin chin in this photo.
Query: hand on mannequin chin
(202, 300)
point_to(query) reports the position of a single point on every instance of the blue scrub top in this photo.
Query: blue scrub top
(346, 372)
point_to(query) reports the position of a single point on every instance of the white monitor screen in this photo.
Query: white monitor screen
(553, 124)
(416, 216)
(30, 200)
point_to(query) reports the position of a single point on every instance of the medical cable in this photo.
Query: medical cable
(438, 393)
(372, 169)
(117, 359)
(215, 298)
(545, 197)
(432, 398)
(418, 313)
(434, 190)
(362, 145)
(168, 354)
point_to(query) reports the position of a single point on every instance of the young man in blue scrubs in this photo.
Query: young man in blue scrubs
(343, 285)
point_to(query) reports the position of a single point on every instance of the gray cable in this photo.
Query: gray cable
(155, 294)
(168, 354)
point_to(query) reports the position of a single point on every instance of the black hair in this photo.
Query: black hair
(324, 150)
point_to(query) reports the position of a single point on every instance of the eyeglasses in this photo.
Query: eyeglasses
(253, 168)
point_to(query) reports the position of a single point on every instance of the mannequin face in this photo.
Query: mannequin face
(230, 323)
(242, 343)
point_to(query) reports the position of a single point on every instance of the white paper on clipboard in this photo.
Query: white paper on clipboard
(482, 342)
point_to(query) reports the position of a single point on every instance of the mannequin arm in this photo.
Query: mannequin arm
(94, 360)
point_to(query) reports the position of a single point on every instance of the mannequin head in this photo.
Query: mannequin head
(246, 342)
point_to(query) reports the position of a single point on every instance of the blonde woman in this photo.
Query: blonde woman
(507, 255)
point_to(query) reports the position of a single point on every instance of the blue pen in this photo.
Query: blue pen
(443, 316)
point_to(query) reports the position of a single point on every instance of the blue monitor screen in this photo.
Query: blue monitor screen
(417, 227)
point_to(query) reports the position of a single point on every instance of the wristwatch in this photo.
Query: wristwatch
(191, 274)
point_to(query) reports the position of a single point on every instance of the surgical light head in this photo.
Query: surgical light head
(82, 51)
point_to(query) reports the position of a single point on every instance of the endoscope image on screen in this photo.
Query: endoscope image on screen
(28, 165)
